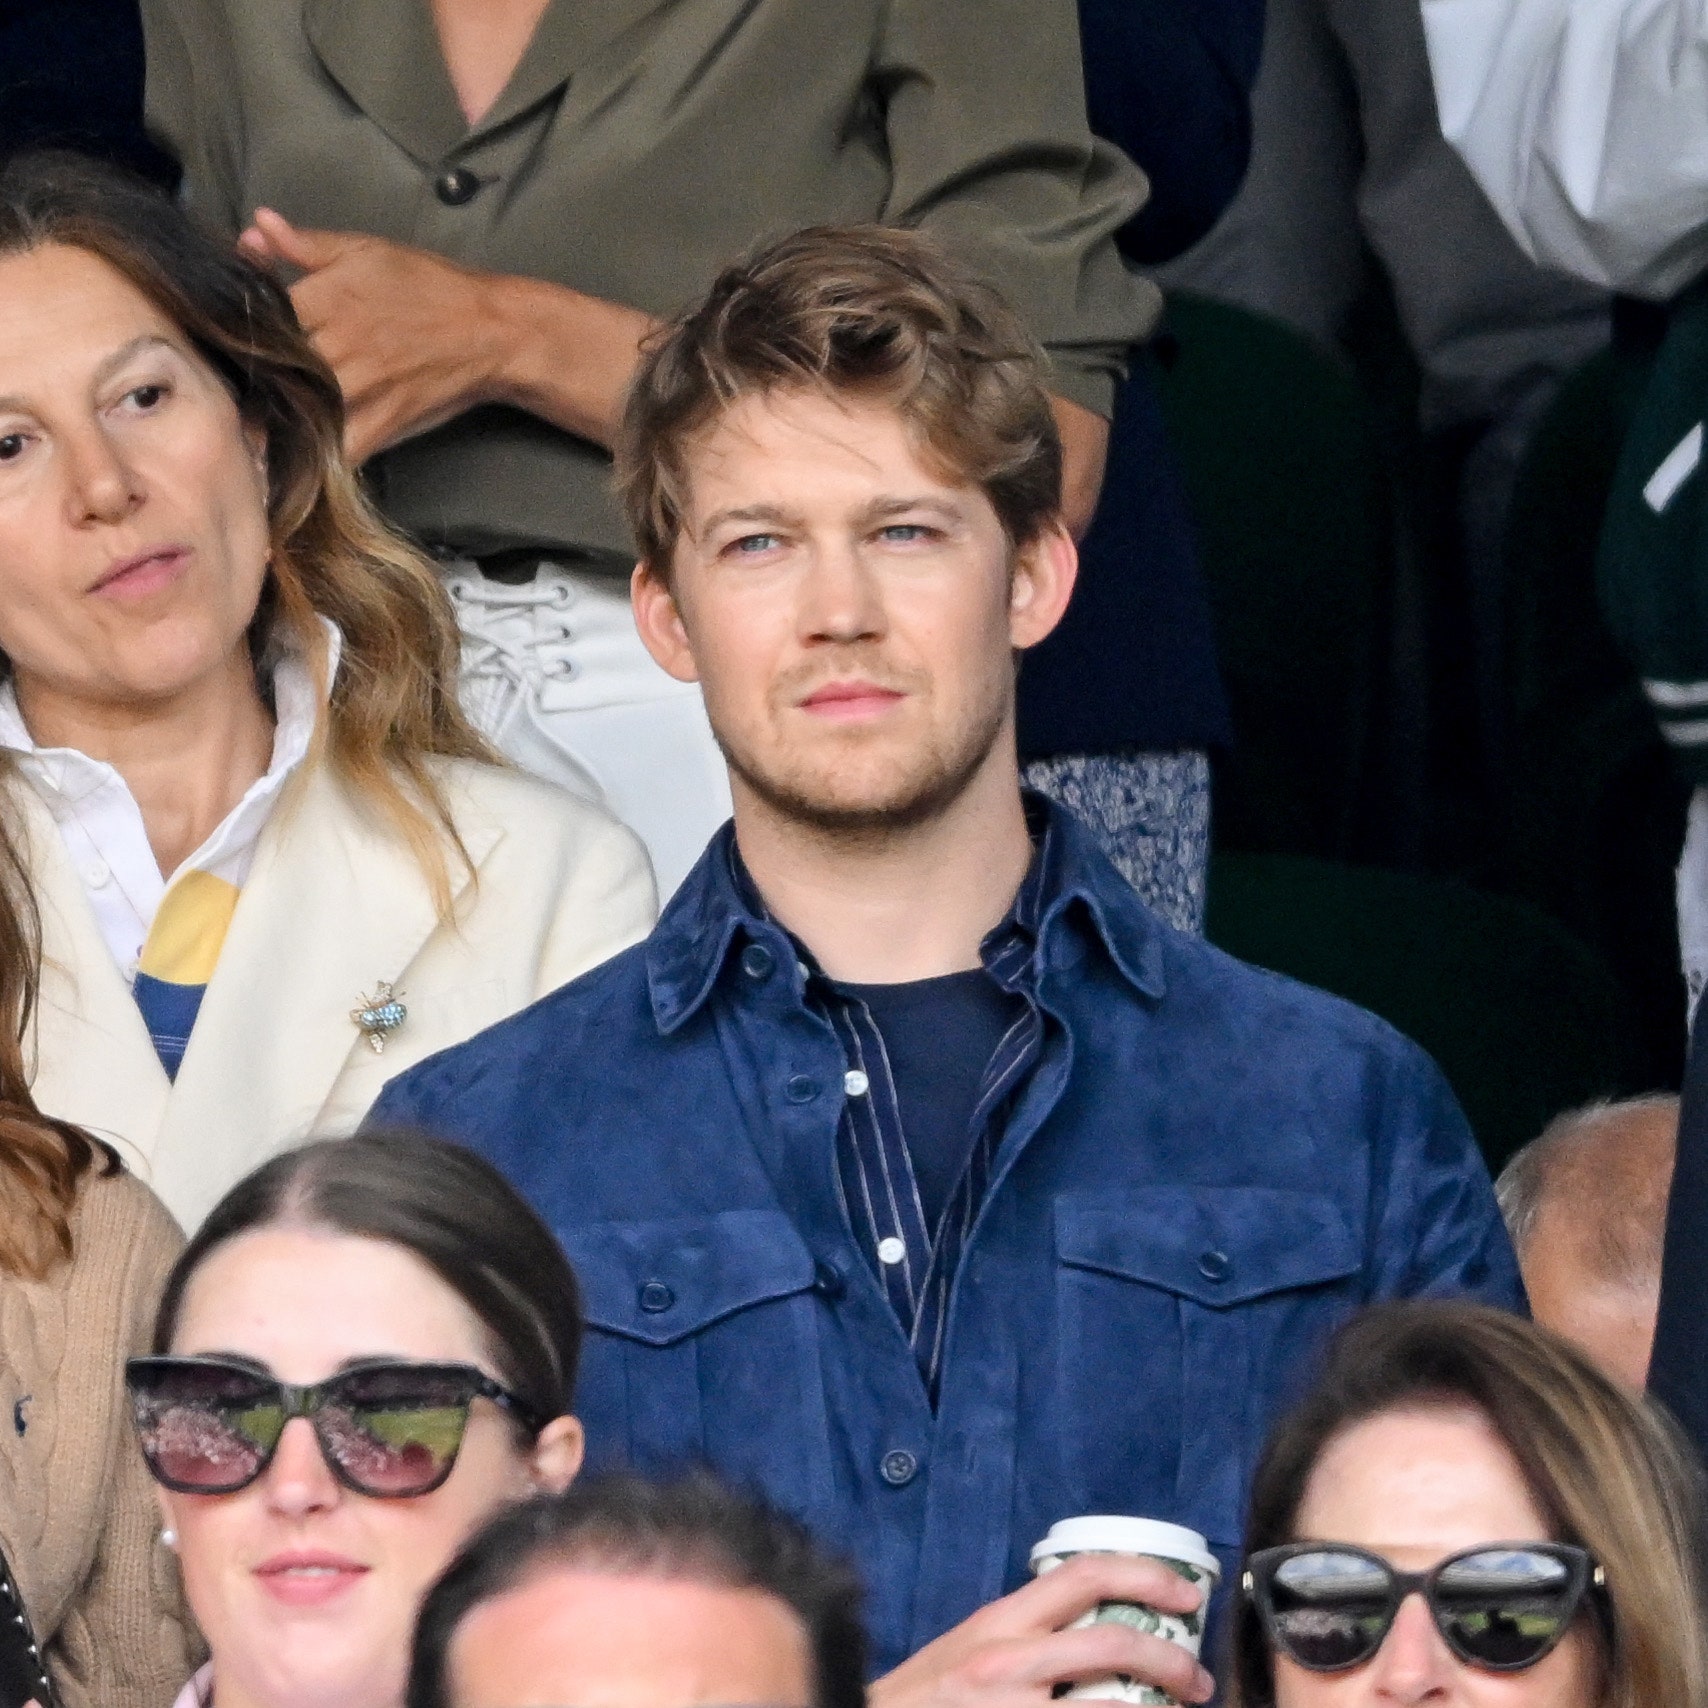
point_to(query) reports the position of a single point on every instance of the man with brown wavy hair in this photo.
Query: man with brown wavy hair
(917, 1173)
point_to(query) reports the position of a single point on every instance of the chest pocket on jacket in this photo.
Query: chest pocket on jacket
(703, 1349)
(1187, 1316)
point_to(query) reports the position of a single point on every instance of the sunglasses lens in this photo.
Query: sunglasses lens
(1329, 1608)
(205, 1429)
(395, 1431)
(1506, 1607)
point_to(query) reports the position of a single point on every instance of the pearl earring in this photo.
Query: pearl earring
(168, 1537)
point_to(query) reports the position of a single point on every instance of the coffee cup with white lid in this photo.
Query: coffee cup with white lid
(1183, 1551)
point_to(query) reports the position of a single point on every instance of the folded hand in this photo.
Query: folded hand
(413, 338)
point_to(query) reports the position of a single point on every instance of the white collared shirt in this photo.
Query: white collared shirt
(102, 827)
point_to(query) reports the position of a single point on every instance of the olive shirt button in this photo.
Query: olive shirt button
(1215, 1266)
(456, 187)
(655, 1297)
(757, 961)
(898, 1468)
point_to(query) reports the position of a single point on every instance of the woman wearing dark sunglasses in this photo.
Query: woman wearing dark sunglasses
(1466, 1514)
(367, 1349)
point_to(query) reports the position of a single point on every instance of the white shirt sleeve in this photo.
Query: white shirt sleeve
(1586, 123)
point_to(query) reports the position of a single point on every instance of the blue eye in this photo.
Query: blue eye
(750, 545)
(906, 533)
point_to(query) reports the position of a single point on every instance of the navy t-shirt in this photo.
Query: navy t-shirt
(939, 1036)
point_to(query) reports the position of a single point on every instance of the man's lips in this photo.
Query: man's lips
(849, 701)
(143, 573)
(308, 1577)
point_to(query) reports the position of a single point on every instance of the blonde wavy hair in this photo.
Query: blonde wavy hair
(1606, 1468)
(393, 707)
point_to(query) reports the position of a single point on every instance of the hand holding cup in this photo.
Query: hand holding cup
(1016, 1652)
(1182, 1551)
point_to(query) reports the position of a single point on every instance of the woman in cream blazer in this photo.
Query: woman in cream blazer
(256, 859)
(332, 909)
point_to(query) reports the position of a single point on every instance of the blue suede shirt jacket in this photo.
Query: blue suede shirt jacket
(1207, 1170)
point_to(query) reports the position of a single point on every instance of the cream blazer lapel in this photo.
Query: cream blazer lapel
(96, 1062)
(333, 904)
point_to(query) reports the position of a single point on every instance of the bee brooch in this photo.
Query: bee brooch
(380, 1015)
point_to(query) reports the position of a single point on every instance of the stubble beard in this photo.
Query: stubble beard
(922, 786)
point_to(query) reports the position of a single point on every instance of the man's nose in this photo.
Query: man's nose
(1413, 1664)
(840, 596)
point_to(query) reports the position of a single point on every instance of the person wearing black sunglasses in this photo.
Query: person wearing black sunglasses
(1467, 1513)
(367, 1350)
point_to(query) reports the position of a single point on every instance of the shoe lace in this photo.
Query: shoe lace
(506, 631)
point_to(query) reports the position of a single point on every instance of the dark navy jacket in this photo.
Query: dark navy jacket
(1209, 1169)
(1133, 664)
(71, 77)
(1169, 82)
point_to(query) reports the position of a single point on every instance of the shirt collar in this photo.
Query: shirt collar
(64, 775)
(1070, 890)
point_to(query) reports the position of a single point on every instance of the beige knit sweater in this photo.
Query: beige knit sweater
(78, 1519)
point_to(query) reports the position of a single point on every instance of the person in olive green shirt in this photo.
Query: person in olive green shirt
(486, 204)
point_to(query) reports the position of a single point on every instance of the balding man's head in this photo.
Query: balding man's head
(1586, 1207)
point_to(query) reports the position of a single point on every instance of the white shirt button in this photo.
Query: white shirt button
(891, 1250)
(97, 874)
(855, 1083)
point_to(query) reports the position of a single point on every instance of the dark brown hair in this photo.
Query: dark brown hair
(864, 312)
(393, 705)
(1605, 1468)
(694, 1529)
(445, 1205)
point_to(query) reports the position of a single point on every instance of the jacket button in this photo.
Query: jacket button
(1215, 1266)
(829, 1279)
(757, 961)
(898, 1468)
(656, 1297)
(456, 187)
(802, 1089)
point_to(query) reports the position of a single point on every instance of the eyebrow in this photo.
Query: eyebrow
(109, 365)
(747, 513)
(877, 510)
(945, 508)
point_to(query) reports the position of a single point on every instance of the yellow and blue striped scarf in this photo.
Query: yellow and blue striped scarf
(178, 958)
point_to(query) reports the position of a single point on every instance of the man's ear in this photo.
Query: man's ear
(1045, 570)
(660, 623)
